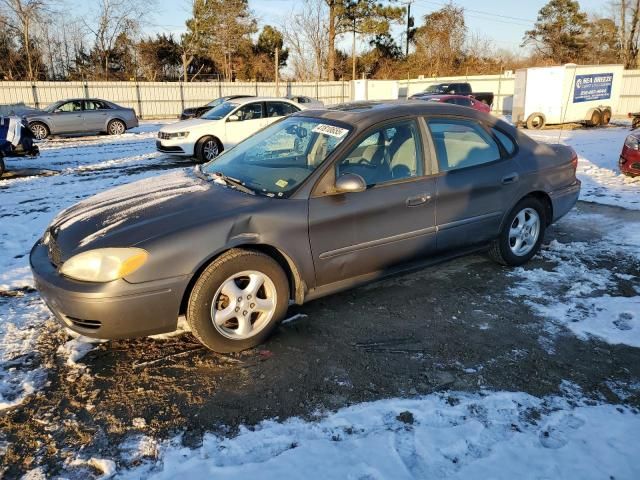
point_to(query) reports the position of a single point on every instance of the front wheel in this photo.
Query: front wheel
(207, 149)
(521, 235)
(237, 301)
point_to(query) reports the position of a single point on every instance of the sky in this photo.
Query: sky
(505, 27)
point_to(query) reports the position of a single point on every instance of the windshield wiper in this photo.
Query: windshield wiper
(234, 182)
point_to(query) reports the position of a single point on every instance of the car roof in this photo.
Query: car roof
(242, 101)
(365, 114)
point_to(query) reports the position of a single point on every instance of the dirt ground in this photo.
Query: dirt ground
(451, 327)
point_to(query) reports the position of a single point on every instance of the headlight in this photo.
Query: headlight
(179, 135)
(104, 264)
(632, 142)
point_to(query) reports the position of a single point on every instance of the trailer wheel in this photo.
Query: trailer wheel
(606, 117)
(536, 121)
(595, 118)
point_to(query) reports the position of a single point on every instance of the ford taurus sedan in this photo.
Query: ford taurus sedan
(81, 115)
(318, 202)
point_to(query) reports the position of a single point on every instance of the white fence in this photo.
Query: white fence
(167, 99)
(164, 99)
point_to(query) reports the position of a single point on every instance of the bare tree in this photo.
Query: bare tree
(22, 16)
(305, 33)
(112, 19)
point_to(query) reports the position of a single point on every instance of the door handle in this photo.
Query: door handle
(511, 178)
(418, 200)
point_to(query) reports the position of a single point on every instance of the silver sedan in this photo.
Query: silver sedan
(81, 115)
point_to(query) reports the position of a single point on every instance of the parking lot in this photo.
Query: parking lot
(560, 334)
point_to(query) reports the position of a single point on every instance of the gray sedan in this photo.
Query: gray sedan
(318, 202)
(81, 115)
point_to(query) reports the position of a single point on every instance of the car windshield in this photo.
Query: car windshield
(435, 89)
(53, 106)
(221, 111)
(276, 160)
(215, 103)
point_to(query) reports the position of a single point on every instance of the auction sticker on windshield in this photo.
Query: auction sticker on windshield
(330, 130)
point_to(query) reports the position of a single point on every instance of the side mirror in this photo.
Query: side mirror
(233, 118)
(350, 182)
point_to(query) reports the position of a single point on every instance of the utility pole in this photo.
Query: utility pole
(408, 26)
(277, 72)
(353, 51)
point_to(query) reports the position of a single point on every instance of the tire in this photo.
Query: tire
(40, 130)
(2, 167)
(206, 149)
(536, 121)
(594, 121)
(504, 248)
(116, 127)
(244, 325)
(606, 117)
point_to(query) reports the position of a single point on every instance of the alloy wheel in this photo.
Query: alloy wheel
(524, 232)
(243, 305)
(39, 131)
(116, 128)
(210, 149)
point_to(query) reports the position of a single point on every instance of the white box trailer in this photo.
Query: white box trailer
(565, 94)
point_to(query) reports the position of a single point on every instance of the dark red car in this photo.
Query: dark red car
(461, 100)
(630, 156)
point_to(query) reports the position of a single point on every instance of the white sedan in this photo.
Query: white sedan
(222, 127)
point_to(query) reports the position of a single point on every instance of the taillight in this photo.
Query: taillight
(574, 159)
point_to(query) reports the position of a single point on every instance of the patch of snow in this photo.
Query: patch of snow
(77, 347)
(20, 327)
(574, 294)
(499, 435)
(107, 468)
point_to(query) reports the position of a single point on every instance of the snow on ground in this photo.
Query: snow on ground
(588, 300)
(598, 152)
(87, 165)
(494, 435)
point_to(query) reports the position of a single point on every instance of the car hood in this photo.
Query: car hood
(128, 215)
(185, 125)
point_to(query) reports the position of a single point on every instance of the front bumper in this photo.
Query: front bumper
(117, 309)
(180, 146)
(563, 200)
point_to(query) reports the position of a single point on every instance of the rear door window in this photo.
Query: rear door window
(280, 109)
(462, 143)
(506, 141)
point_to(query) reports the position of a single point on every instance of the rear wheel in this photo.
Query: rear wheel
(40, 130)
(237, 301)
(606, 117)
(521, 234)
(536, 121)
(595, 118)
(116, 127)
(207, 149)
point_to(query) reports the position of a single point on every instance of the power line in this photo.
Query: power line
(528, 21)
